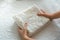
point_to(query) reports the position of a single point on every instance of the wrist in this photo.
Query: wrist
(28, 38)
(50, 16)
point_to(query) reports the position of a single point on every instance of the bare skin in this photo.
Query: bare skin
(50, 16)
(24, 32)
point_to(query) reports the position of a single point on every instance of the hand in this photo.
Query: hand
(43, 13)
(24, 32)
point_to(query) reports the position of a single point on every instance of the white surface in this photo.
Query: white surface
(8, 29)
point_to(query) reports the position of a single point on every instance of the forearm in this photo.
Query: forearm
(56, 15)
(29, 39)
(51, 16)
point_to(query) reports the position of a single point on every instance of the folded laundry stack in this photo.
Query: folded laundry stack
(35, 22)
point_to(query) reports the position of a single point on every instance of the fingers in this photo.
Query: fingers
(25, 28)
(20, 30)
(41, 13)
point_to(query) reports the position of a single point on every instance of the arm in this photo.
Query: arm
(24, 32)
(29, 39)
(51, 16)
(56, 15)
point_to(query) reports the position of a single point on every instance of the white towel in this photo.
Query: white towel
(34, 22)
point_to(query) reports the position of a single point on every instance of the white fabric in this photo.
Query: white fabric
(34, 22)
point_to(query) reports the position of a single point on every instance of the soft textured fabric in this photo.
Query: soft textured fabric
(34, 22)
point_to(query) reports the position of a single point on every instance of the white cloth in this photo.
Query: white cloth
(35, 23)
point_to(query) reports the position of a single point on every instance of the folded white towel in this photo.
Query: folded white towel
(34, 22)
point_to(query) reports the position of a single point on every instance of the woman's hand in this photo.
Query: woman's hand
(24, 32)
(43, 13)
